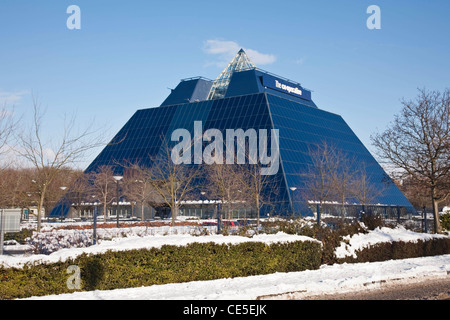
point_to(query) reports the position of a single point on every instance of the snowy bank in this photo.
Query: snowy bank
(338, 278)
(359, 241)
(146, 242)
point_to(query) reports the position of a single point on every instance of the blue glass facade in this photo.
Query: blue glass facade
(254, 100)
(302, 127)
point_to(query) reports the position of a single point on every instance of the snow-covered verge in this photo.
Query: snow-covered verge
(61, 244)
(145, 242)
(54, 239)
(328, 279)
(351, 244)
(338, 278)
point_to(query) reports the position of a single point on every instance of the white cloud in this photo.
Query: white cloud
(300, 61)
(7, 98)
(226, 50)
(221, 47)
(260, 58)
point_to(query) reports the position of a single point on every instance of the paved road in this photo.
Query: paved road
(426, 290)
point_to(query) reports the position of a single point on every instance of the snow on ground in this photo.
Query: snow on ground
(337, 278)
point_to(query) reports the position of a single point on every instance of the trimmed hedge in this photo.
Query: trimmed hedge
(445, 221)
(169, 264)
(400, 250)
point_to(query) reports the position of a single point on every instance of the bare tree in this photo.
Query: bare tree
(48, 158)
(15, 186)
(258, 189)
(418, 142)
(172, 182)
(103, 187)
(363, 188)
(331, 175)
(417, 195)
(8, 125)
(80, 192)
(256, 184)
(138, 186)
(319, 175)
(226, 182)
(343, 176)
(336, 176)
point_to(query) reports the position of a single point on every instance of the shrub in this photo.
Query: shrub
(20, 237)
(445, 221)
(400, 250)
(169, 264)
(331, 237)
(372, 221)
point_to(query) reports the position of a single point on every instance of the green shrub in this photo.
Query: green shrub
(20, 237)
(372, 221)
(169, 264)
(400, 250)
(331, 238)
(445, 221)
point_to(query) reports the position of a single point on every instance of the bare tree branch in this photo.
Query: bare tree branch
(418, 142)
(48, 158)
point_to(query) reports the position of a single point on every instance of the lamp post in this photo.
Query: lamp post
(94, 236)
(62, 188)
(117, 178)
(141, 196)
(203, 200)
(30, 212)
(292, 197)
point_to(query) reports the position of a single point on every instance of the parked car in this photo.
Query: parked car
(209, 223)
(247, 222)
(230, 224)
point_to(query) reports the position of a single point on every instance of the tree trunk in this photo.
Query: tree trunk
(40, 206)
(174, 214)
(104, 211)
(435, 203)
(174, 207)
(39, 217)
(257, 210)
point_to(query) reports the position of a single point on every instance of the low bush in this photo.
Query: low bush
(20, 237)
(330, 237)
(445, 221)
(400, 250)
(169, 264)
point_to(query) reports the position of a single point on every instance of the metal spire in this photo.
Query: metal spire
(240, 62)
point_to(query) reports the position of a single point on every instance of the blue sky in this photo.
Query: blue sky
(128, 53)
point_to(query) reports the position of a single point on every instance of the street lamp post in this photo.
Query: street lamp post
(203, 200)
(117, 178)
(292, 198)
(62, 188)
(95, 222)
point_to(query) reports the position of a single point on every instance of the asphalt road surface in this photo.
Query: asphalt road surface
(438, 289)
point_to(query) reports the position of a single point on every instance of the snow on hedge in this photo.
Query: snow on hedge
(145, 242)
(359, 241)
(52, 240)
(337, 278)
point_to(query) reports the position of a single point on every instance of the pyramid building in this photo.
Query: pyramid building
(245, 97)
